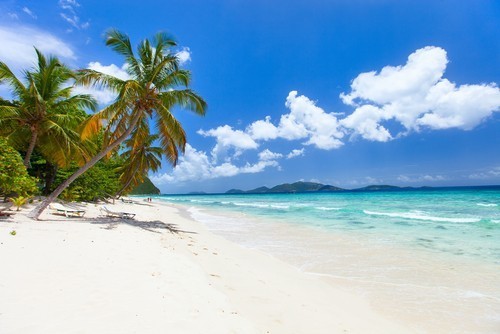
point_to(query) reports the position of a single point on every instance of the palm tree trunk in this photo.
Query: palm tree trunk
(37, 211)
(31, 147)
(50, 176)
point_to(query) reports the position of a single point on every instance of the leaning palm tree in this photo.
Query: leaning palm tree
(140, 158)
(155, 86)
(44, 113)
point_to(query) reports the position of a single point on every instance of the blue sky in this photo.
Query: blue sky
(348, 93)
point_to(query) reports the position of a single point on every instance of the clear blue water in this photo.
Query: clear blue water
(430, 257)
(459, 222)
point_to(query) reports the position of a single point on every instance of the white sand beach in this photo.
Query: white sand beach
(160, 273)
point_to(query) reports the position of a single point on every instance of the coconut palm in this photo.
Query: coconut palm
(140, 158)
(156, 85)
(44, 113)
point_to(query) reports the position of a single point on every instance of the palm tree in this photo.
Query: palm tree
(45, 111)
(140, 158)
(151, 92)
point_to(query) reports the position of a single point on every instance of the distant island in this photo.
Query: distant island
(307, 187)
(311, 187)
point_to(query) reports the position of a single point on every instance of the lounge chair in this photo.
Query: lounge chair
(6, 214)
(127, 200)
(68, 212)
(116, 214)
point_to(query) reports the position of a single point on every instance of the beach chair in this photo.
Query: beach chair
(4, 210)
(116, 214)
(68, 212)
(127, 200)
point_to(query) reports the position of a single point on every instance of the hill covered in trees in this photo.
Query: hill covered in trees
(306, 187)
(146, 188)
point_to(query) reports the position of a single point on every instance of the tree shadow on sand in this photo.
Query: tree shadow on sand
(155, 226)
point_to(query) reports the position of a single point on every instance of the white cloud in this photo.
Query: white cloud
(70, 16)
(195, 165)
(267, 155)
(308, 121)
(414, 95)
(68, 4)
(417, 96)
(263, 129)
(365, 122)
(74, 21)
(304, 121)
(18, 43)
(184, 55)
(493, 173)
(227, 138)
(295, 153)
(119, 72)
(29, 12)
(258, 167)
(421, 178)
(373, 180)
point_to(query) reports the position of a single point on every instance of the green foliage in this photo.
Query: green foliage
(99, 182)
(146, 188)
(45, 114)
(19, 201)
(14, 178)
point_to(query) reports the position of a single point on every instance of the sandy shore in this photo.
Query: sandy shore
(160, 273)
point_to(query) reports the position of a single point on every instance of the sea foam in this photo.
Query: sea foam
(420, 216)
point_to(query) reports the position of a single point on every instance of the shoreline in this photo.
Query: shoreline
(112, 275)
(424, 289)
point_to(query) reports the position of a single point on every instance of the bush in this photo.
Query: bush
(99, 182)
(14, 179)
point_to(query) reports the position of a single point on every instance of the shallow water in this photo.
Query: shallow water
(430, 258)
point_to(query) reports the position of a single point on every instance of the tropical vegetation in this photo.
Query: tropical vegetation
(14, 178)
(45, 111)
(113, 148)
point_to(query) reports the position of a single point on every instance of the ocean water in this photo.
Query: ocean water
(428, 257)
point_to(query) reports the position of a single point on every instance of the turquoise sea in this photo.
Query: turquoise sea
(464, 222)
(393, 246)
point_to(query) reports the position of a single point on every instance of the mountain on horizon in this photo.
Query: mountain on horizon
(296, 187)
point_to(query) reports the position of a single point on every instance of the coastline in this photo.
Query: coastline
(426, 289)
(159, 272)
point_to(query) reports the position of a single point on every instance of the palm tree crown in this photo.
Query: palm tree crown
(44, 111)
(156, 84)
(151, 91)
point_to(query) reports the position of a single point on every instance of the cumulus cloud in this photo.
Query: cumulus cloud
(295, 153)
(227, 138)
(417, 96)
(263, 129)
(267, 155)
(196, 165)
(305, 121)
(184, 55)
(18, 41)
(414, 96)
